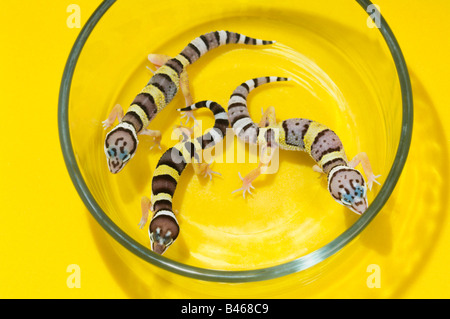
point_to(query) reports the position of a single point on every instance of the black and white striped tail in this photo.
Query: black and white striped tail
(208, 41)
(238, 114)
(217, 132)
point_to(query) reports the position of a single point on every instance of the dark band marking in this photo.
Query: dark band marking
(186, 57)
(318, 136)
(189, 146)
(175, 68)
(164, 184)
(269, 137)
(194, 47)
(216, 108)
(228, 37)
(325, 167)
(161, 88)
(143, 107)
(147, 103)
(237, 118)
(330, 150)
(177, 164)
(216, 34)
(222, 125)
(236, 104)
(162, 204)
(205, 41)
(239, 94)
(176, 65)
(138, 119)
(285, 127)
(246, 127)
(244, 85)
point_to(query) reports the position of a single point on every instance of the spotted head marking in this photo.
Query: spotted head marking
(120, 146)
(348, 188)
(163, 231)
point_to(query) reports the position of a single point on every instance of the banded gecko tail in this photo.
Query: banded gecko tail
(217, 132)
(238, 114)
(208, 41)
(164, 228)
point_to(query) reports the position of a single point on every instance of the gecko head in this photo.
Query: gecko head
(348, 188)
(120, 146)
(163, 231)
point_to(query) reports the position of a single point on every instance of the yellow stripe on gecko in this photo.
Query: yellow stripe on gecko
(330, 156)
(157, 95)
(166, 170)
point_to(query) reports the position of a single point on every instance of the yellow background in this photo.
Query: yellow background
(45, 227)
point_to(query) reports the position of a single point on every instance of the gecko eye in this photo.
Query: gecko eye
(346, 199)
(126, 157)
(360, 191)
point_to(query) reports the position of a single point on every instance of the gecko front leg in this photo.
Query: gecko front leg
(364, 160)
(116, 113)
(146, 206)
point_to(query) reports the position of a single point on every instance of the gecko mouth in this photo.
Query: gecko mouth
(115, 166)
(158, 248)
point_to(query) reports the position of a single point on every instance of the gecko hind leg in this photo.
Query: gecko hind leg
(204, 169)
(254, 174)
(184, 86)
(156, 137)
(268, 117)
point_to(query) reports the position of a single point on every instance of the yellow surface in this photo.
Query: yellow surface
(45, 227)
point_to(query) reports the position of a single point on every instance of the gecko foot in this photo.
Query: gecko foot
(246, 186)
(156, 142)
(189, 115)
(156, 135)
(205, 170)
(107, 123)
(372, 179)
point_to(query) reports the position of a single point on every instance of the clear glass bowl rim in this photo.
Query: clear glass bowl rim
(290, 267)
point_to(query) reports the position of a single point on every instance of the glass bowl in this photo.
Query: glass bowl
(349, 73)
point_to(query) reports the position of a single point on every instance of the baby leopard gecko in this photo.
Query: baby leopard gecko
(164, 228)
(345, 184)
(121, 142)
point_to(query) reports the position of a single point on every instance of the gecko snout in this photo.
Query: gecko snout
(163, 231)
(348, 188)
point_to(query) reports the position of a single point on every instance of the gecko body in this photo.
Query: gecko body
(164, 228)
(122, 141)
(345, 184)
